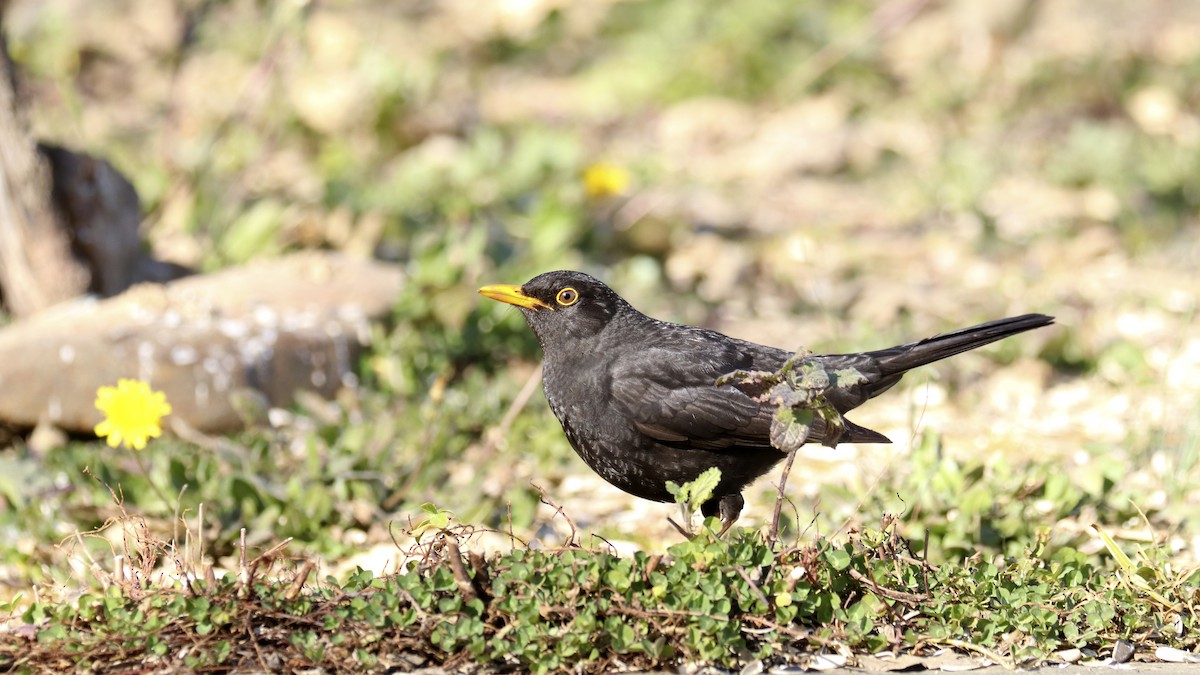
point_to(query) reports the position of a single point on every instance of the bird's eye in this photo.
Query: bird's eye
(567, 297)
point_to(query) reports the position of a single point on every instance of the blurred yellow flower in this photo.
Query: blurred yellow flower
(133, 413)
(604, 179)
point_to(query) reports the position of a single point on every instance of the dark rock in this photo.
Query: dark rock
(1123, 651)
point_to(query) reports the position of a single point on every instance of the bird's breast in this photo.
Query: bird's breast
(601, 434)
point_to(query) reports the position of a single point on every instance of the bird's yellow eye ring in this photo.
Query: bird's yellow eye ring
(567, 297)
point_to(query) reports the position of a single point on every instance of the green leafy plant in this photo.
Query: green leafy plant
(691, 496)
(435, 519)
(798, 392)
(726, 602)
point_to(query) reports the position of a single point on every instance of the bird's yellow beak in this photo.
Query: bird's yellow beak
(513, 295)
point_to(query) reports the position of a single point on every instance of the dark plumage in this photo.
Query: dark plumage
(637, 400)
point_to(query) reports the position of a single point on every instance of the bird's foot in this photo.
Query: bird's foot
(728, 507)
(725, 525)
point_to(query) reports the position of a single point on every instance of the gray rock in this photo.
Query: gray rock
(263, 331)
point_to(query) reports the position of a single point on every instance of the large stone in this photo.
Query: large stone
(263, 331)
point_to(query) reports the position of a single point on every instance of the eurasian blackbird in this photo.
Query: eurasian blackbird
(637, 396)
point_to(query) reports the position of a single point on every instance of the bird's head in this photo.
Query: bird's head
(561, 306)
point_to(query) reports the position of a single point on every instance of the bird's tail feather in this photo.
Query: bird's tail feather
(897, 360)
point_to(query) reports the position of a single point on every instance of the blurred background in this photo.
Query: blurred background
(839, 176)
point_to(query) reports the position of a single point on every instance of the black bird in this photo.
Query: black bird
(637, 396)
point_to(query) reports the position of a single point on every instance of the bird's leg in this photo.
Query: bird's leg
(787, 468)
(729, 507)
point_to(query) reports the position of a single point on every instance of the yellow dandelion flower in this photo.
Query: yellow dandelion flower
(133, 413)
(604, 179)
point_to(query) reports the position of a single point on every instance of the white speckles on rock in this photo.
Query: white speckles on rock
(145, 360)
(341, 353)
(233, 328)
(183, 355)
(279, 418)
(142, 314)
(265, 316)
(223, 379)
(257, 349)
(145, 350)
(274, 328)
(350, 314)
(211, 365)
(296, 321)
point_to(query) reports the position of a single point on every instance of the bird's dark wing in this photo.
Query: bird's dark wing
(670, 395)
